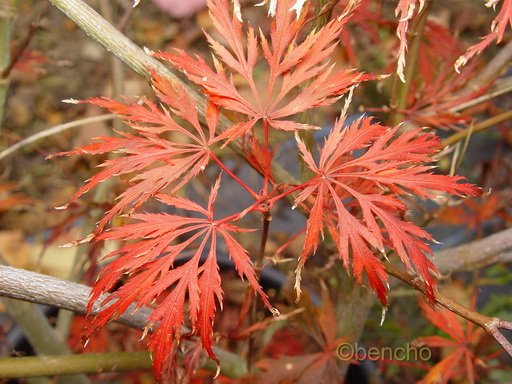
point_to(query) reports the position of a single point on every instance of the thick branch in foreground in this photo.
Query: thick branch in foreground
(496, 248)
(37, 288)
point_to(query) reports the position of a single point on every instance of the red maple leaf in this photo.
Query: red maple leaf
(405, 10)
(356, 197)
(150, 260)
(295, 66)
(460, 362)
(438, 89)
(317, 367)
(498, 28)
(156, 162)
(362, 172)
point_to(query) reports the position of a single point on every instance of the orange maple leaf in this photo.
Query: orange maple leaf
(461, 361)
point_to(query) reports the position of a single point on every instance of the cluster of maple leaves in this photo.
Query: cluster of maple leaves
(355, 190)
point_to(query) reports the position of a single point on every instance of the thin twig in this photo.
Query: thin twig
(18, 53)
(53, 131)
(481, 126)
(254, 304)
(493, 69)
(87, 363)
(491, 325)
(500, 88)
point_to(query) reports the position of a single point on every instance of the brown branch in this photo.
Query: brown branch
(500, 87)
(493, 69)
(492, 325)
(476, 254)
(37, 288)
(18, 53)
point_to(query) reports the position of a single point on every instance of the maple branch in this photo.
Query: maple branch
(481, 126)
(95, 26)
(499, 88)
(34, 287)
(492, 325)
(115, 42)
(476, 254)
(37, 288)
(494, 67)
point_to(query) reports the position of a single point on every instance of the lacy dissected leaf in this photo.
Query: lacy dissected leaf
(319, 367)
(154, 162)
(437, 89)
(361, 172)
(498, 27)
(172, 260)
(461, 360)
(300, 77)
(405, 10)
(365, 18)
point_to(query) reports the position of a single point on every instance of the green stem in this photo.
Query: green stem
(483, 125)
(91, 363)
(73, 364)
